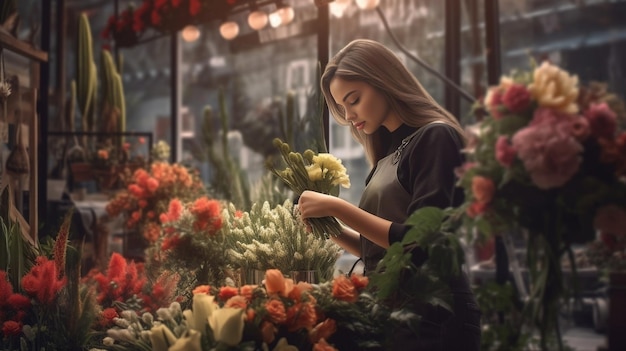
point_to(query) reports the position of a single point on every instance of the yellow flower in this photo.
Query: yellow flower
(555, 88)
(227, 325)
(331, 168)
(315, 172)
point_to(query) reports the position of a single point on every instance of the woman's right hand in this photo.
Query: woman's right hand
(312, 204)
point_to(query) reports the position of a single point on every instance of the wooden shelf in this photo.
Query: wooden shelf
(21, 47)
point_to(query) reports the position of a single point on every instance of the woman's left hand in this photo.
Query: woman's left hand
(313, 204)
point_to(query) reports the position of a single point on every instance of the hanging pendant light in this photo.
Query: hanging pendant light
(338, 7)
(367, 4)
(283, 15)
(257, 19)
(229, 30)
(190, 33)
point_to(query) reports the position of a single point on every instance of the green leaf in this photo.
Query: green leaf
(426, 222)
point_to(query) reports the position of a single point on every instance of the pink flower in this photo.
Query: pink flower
(602, 120)
(505, 153)
(550, 155)
(516, 98)
(493, 101)
(611, 219)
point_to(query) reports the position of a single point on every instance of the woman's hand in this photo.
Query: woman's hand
(313, 204)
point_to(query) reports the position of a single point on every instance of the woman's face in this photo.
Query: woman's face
(363, 105)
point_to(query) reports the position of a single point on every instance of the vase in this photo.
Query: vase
(81, 171)
(252, 276)
(304, 276)
(617, 306)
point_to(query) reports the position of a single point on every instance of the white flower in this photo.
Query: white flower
(202, 309)
(227, 325)
(161, 338)
(188, 342)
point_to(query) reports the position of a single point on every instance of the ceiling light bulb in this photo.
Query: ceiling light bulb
(229, 30)
(275, 19)
(338, 7)
(286, 14)
(367, 4)
(257, 20)
(190, 33)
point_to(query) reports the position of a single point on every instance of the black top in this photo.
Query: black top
(426, 169)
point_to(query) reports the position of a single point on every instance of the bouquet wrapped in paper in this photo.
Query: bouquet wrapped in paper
(321, 172)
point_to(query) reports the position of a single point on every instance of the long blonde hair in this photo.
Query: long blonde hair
(371, 62)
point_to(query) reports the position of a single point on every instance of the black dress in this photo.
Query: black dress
(417, 172)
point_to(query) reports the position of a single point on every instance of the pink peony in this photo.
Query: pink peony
(516, 98)
(602, 120)
(505, 153)
(550, 156)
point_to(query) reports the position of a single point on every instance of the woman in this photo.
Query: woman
(413, 145)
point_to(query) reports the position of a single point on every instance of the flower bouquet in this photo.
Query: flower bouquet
(320, 172)
(148, 194)
(547, 157)
(192, 242)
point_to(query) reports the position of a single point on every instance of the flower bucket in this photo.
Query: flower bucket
(304, 276)
(617, 306)
(81, 171)
(252, 276)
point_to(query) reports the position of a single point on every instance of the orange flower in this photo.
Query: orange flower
(247, 291)
(298, 290)
(301, 316)
(103, 154)
(323, 330)
(343, 289)
(475, 209)
(237, 301)
(483, 189)
(274, 282)
(322, 345)
(226, 292)
(359, 281)
(268, 332)
(202, 289)
(276, 311)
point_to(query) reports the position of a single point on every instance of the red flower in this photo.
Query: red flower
(5, 288)
(18, 302)
(194, 7)
(602, 120)
(11, 328)
(516, 98)
(42, 281)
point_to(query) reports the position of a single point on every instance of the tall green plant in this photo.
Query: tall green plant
(86, 71)
(113, 104)
(17, 255)
(229, 181)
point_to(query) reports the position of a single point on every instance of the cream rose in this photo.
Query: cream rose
(554, 88)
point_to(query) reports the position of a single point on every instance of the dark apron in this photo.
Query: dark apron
(439, 329)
